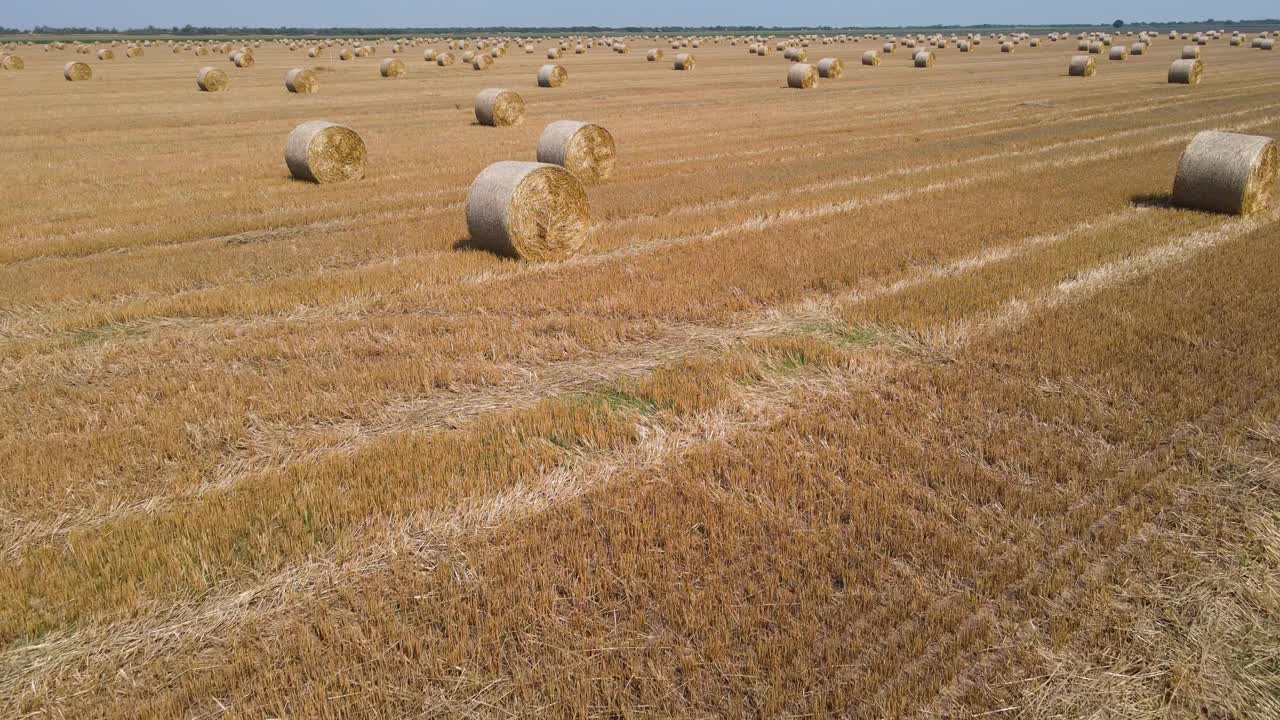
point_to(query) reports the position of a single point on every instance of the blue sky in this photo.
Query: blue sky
(416, 13)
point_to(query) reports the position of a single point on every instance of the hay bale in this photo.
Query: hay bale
(1006, 47)
(684, 61)
(802, 76)
(481, 62)
(1138, 49)
(654, 55)
(499, 107)
(531, 211)
(830, 68)
(924, 59)
(1227, 172)
(242, 59)
(74, 71)
(346, 54)
(1083, 66)
(445, 59)
(1186, 72)
(430, 55)
(1118, 52)
(552, 76)
(393, 68)
(106, 54)
(965, 46)
(553, 53)
(134, 51)
(1267, 44)
(324, 152)
(584, 149)
(211, 79)
(302, 81)
(1190, 52)
(9, 61)
(871, 58)
(313, 52)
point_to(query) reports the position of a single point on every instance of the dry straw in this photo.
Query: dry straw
(654, 55)
(106, 54)
(429, 55)
(1191, 52)
(802, 76)
(445, 59)
(499, 107)
(871, 57)
(133, 51)
(1083, 66)
(77, 71)
(924, 59)
(393, 68)
(1118, 52)
(1227, 173)
(211, 79)
(684, 61)
(346, 54)
(242, 59)
(12, 62)
(481, 61)
(324, 152)
(1186, 72)
(553, 53)
(584, 149)
(302, 81)
(532, 211)
(552, 76)
(830, 68)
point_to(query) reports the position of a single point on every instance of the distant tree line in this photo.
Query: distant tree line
(193, 30)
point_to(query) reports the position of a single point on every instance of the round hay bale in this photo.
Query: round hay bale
(1096, 47)
(1267, 44)
(346, 54)
(302, 81)
(1138, 49)
(552, 76)
(324, 152)
(211, 79)
(1190, 52)
(531, 211)
(481, 62)
(684, 61)
(1083, 66)
(584, 149)
(1186, 72)
(1227, 172)
(498, 107)
(830, 68)
(965, 46)
(654, 55)
(12, 62)
(313, 52)
(528, 49)
(924, 59)
(393, 68)
(134, 51)
(430, 55)
(802, 76)
(871, 58)
(74, 71)
(553, 53)
(1006, 47)
(106, 54)
(445, 59)
(1118, 52)
(242, 59)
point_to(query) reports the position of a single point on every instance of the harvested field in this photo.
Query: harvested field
(962, 419)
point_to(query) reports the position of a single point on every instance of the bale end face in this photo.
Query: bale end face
(76, 71)
(531, 211)
(393, 68)
(1227, 173)
(324, 152)
(211, 79)
(584, 149)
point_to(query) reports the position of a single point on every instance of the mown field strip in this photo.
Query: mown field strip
(149, 638)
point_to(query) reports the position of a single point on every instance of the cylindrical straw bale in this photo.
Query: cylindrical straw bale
(924, 59)
(586, 150)
(392, 68)
(74, 71)
(1118, 52)
(445, 59)
(830, 68)
(1190, 52)
(324, 152)
(499, 107)
(654, 55)
(106, 54)
(552, 76)
(684, 61)
(1186, 72)
(802, 76)
(211, 79)
(429, 55)
(1083, 66)
(532, 211)
(1227, 172)
(242, 59)
(871, 57)
(553, 53)
(302, 81)
(481, 61)
(346, 54)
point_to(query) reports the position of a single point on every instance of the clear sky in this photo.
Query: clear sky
(417, 13)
